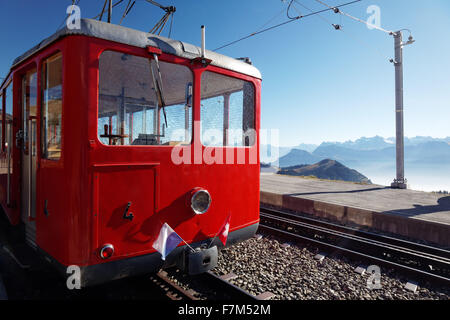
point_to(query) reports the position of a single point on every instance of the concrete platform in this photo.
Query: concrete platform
(413, 214)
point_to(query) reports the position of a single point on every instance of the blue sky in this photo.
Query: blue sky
(318, 84)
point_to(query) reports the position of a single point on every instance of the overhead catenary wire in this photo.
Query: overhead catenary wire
(171, 24)
(160, 25)
(342, 29)
(282, 24)
(127, 10)
(271, 19)
(289, 8)
(100, 15)
(318, 15)
(103, 11)
(337, 10)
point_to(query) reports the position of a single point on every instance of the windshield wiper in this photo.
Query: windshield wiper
(157, 83)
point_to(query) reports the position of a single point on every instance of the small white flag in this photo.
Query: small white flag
(167, 240)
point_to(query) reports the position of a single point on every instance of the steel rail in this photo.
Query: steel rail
(433, 252)
(225, 287)
(173, 291)
(385, 254)
(209, 281)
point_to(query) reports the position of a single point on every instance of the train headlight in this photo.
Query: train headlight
(200, 201)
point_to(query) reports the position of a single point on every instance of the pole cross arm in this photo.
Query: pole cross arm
(169, 9)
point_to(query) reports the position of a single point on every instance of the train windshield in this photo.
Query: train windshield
(130, 111)
(227, 111)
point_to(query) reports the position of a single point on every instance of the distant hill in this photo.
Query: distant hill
(326, 169)
(265, 167)
(269, 153)
(298, 157)
(350, 156)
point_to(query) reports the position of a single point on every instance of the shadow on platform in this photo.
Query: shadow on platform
(334, 192)
(442, 206)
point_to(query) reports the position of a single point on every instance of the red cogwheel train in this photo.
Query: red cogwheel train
(108, 133)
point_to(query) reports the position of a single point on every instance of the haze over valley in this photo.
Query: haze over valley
(427, 159)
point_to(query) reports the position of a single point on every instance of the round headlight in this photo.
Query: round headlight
(200, 201)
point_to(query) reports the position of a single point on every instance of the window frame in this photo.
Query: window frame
(167, 58)
(237, 76)
(2, 121)
(9, 82)
(42, 143)
(23, 77)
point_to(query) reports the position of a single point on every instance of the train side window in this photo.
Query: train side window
(1, 118)
(227, 111)
(29, 104)
(51, 115)
(130, 108)
(9, 125)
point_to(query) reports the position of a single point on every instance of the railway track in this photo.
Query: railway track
(209, 286)
(423, 262)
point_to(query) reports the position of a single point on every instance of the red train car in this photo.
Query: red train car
(108, 133)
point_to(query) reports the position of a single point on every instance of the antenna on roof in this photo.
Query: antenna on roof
(203, 42)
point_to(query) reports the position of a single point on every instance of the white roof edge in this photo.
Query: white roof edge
(116, 33)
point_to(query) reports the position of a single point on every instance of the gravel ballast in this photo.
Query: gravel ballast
(292, 273)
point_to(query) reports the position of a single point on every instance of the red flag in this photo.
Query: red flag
(223, 232)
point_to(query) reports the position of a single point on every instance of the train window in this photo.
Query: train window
(51, 107)
(29, 104)
(1, 118)
(227, 111)
(137, 106)
(9, 125)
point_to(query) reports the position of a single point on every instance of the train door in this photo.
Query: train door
(27, 134)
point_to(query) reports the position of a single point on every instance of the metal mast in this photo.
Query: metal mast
(399, 182)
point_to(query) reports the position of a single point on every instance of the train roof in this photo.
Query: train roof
(120, 34)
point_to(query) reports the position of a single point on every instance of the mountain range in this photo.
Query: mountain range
(427, 159)
(420, 150)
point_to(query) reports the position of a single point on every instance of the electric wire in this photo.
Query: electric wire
(103, 11)
(271, 19)
(282, 24)
(159, 26)
(100, 15)
(171, 24)
(336, 10)
(289, 8)
(127, 10)
(353, 37)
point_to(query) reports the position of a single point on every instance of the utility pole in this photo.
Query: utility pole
(400, 182)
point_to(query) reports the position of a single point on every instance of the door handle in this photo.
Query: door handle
(126, 215)
(19, 138)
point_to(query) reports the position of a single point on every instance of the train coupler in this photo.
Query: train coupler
(201, 260)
